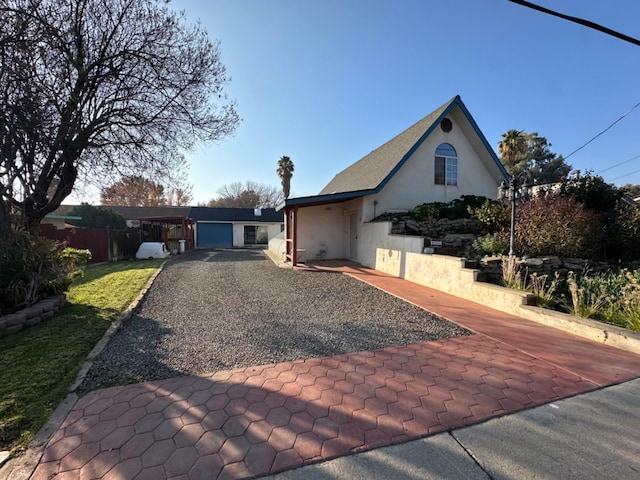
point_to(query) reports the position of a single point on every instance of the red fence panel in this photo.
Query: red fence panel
(96, 240)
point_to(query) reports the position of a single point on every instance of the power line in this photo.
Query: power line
(581, 21)
(618, 164)
(625, 175)
(603, 131)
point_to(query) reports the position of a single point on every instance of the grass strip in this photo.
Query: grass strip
(38, 364)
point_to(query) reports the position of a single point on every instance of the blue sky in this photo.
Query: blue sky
(325, 82)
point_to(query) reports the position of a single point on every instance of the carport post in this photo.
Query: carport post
(291, 237)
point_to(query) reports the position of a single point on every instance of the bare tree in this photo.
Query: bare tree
(246, 195)
(101, 89)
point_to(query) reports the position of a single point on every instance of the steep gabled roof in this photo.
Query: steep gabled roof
(373, 171)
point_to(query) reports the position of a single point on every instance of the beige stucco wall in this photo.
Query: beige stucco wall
(446, 274)
(322, 224)
(414, 183)
(383, 251)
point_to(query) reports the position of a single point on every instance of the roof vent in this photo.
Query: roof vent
(446, 125)
(257, 212)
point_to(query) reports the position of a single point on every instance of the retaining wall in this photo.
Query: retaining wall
(27, 317)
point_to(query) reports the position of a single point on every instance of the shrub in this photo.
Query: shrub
(32, 267)
(427, 211)
(493, 216)
(555, 225)
(456, 209)
(490, 245)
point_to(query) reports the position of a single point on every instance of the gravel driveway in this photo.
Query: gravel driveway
(222, 309)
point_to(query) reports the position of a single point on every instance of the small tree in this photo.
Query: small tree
(529, 153)
(97, 217)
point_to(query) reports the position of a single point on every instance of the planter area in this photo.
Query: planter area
(33, 315)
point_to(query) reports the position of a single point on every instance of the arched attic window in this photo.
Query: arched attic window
(446, 165)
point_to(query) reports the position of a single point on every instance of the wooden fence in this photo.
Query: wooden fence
(104, 245)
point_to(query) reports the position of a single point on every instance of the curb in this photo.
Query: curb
(22, 467)
(274, 258)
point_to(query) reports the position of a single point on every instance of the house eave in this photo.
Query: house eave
(324, 199)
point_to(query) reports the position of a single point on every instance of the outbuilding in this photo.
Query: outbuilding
(235, 227)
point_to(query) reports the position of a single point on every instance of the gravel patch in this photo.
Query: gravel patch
(222, 309)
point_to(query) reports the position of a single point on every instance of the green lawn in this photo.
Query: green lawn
(38, 364)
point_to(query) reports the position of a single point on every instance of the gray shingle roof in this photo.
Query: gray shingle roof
(371, 170)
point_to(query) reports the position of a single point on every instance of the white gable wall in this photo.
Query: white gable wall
(414, 183)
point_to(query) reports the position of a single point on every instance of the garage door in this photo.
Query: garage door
(215, 235)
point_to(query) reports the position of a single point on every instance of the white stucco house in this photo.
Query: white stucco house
(438, 159)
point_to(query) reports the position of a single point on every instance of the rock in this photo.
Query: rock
(412, 225)
(534, 262)
(14, 319)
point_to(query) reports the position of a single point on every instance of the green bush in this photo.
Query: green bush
(454, 210)
(427, 211)
(490, 245)
(32, 267)
(493, 216)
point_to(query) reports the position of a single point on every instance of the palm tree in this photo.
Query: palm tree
(285, 172)
(513, 151)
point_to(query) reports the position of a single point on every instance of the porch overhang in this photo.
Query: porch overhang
(323, 199)
(291, 207)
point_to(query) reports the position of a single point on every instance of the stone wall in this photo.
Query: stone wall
(491, 267)
(456, 236)
(27, 317)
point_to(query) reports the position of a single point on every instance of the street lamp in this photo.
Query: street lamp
(517, 187)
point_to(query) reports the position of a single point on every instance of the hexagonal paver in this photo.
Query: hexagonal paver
(260, 457)
(125, 469)
(206, 467)
(158, 453)
(167, 429)
(131, 416)
(282, 438)
(181, 461)
(278, 416)
(136, 445)
(79, 457)
(188, 435)
(210, 442)
(235, 425)
(217, 401)
(99, 431)
(100, 464)
(234, 449)
(148, 422)
(117, 438)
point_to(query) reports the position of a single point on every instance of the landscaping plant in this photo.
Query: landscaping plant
(32, 267)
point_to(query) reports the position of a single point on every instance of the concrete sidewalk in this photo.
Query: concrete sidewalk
(266, 419)
(591, 436)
